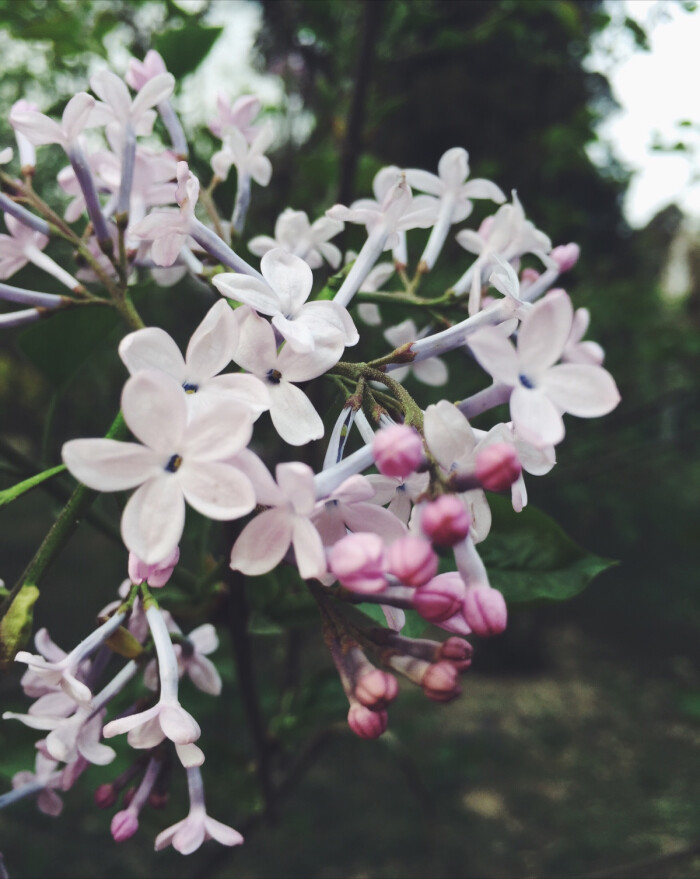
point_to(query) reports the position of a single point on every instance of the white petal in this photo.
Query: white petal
(157, 89)
(204, 638)
(152, 348)
(543, 333)
(212, 343)
(293, 415)
(308, 549)
(431, 372)
(583, 390)
(250, 291)
(453, 167)
(155, 409)
(370, 517)
(495, 354)
(109, 465)
(448, 434)
(216, 490)
(424, 181)
(154, 518)
(217, 432)
(296, 367)
(189, 755)
(221, 832)
(289, 276)
(76, 114)
(262, 543)
(297, 334)
(256, 349)
(535, 417)
(246, 390)
(296, 482)
(113, 91)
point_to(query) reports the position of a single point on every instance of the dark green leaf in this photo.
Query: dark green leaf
(529, 557)
(14, 491)
(61, 343)
(183, 50)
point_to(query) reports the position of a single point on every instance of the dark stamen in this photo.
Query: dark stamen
(174, 464)
(525, 382)
(189, 388)
(274, 376)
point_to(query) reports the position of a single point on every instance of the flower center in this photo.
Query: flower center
(274, 376)
(525, 382)
(173, 464)
(189, 388)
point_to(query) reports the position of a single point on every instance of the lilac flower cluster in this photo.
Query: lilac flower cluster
(355, 536)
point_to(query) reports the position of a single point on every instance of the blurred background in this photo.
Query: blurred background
(574, 748)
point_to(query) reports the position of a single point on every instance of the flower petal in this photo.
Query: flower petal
(216, 490)
(250, 291)
(178, 725)
(263, 543)
(155, 409)
(109, 465)
(581, 389)
(289, 276)
(308, 549)
(154, 518)
(293, 415)
(495, 354)
(152, 348)
(222, 833)
(212, 343)
(256, 349)
(544, 332)
(535, 417)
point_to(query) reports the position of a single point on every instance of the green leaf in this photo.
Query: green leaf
(529, 557)
(14, 491)
(184, 49)
(60, 344)
(16, 625)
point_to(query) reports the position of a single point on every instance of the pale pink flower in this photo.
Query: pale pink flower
(295, 234)
(180, 460)
(209, 351)
(349, 508)
(541, 389)
(399, 494)
(40, 129)
(283, 294)
(138, 73)
(239, 116)
(248, 158)
(24, 245)
(577, 351)
(264, 541)
(191, 652)
(118, 111)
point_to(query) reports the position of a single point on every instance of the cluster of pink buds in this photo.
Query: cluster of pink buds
(390, 512)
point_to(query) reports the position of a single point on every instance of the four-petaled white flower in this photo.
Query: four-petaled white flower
(541, 389)
(179, 460)
(282, 294)
(431, 371)
(351, 508)
(118, 111)
(249, 159)
(295, 234)
(239, 115)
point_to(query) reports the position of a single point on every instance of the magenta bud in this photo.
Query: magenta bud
(441, 682)
(445, 521)
(124, 825)
(158, 799)
(566, 256)
(376, 690)
(457, 651)
(529, 276)
(156, 575)
(365, 723)
(441, 598)
(397, 450)
(358, 562)
(485, 610)
(412, 560)
(497, 466)
(105, 796)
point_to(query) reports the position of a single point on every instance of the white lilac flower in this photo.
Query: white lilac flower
(508, 234)
(40, 129)
(248, 158)
(118, 111)
(283, 295)
(264, 541)
(431, 371)
(180, 460)
(451, 440)
(209, 351)
(577, 351)
(239, 115)
(454, 195)
(399, 494)
(350, 507)
(24, 245)
(292, 413)
(295, 234)
(46, 778)
(187, 835)
(542, 391)
(191, 652)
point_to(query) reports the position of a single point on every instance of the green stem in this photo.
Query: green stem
(61, 531)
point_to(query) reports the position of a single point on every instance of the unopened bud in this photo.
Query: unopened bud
(412, 560)
(158, 799)
(365, 723)
(358, 562)
(105, 796)
(376, 689)
(529, 276)
(457, 651)
(498, 466)
(441, 682)
(566, 256)
(485, 610)
(397, 450)
(445, 521)
(441, 598)
(124, 825)
(155, 575)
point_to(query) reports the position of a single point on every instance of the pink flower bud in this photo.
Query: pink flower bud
(529, 276)
(365, 723)
(124, 825)
(566, 256)
(158, 799)
(441, 598)
(497, 466)
(412, 560)
(358, 562)
(445, 521)
(397, 450)
(440, 682)
(105, 796)
(485, 610)
(376, 689)
(156, 575)
(457, 651)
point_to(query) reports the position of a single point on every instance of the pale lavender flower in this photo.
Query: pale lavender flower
(295, 234)
(431, 371)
